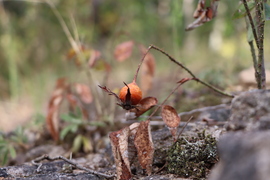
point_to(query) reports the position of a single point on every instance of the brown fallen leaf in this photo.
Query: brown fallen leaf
(119, 142)
(144, 145)
(171, 119)
(123, 51)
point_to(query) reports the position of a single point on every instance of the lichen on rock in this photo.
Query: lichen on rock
(193, 156)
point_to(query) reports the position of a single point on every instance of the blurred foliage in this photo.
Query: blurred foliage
(34, 46)
(10, 143)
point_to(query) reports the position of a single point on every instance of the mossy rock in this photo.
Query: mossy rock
(193, 156)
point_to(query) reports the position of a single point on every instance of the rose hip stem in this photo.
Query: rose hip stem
(139, 66)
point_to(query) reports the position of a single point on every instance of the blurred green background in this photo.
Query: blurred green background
(33, 46)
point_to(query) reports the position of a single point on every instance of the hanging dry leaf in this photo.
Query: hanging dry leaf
(84, 93)
(147, 70)
(119, 142)
(123, 50)
(171, 119)
(144, 105)
(203, 14)
(199, 10)
(144, 145)
(52, 119)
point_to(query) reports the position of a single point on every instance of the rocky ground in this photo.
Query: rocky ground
(229, 141)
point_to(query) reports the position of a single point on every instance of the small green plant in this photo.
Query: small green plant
(76, 127)
(9, 144)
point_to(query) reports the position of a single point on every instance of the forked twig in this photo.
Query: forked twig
(47, 157)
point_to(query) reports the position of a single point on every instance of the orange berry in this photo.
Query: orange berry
(135, 91)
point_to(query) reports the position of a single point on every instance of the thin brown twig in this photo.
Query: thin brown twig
(47, 157)
(152, 114)
(185, 68)
(139, 66)
(184, 127)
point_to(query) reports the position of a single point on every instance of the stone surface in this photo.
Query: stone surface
(243, 156)
(247, 77)
(250, 111)
(51, 170)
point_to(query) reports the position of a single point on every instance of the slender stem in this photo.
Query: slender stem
(152, 114)
(139, 66)
(185, 68)
(251, 23)
(260, 30)
(254, 59)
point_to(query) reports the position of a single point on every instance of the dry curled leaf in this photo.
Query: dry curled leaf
(171, 119)
(119, 142)
(52, 118)
(123, 51)
(203, 14)
(144, 105)
(144, 145)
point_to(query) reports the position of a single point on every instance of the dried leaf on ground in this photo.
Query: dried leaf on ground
(123, 51)
(147, 70)
(119, 142)
(52, 119)
(144, 105)
(171, 119)
(144, 145)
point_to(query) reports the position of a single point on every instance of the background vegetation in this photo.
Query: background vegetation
(34, 48)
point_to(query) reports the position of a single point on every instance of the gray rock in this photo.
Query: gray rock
(250, 111)
(243, 156)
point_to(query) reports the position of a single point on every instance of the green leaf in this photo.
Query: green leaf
(5, 158)
(77, 143)
(250, 36)
(87, 145)
(70, 128)
(12, 151)
(71, 119)
(97, 123)
(241, 11)
(266, 11)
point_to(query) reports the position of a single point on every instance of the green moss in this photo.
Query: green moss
(193, 156)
